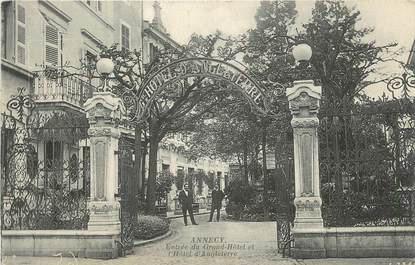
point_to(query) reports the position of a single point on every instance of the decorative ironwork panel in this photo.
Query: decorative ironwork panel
(285, 204)
(125, 173)
(367, 161)
(45, 183)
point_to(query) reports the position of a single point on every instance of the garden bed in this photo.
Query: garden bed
(150, 227)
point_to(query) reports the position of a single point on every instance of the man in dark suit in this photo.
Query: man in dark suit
(217, 197)
(186, 200)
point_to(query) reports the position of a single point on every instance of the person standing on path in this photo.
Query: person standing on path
(217, 197)
(186, 200)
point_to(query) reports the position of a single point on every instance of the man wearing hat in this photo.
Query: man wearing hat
(217, 197)
(186, 200)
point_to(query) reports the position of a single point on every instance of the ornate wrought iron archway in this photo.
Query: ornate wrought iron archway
(196, 67)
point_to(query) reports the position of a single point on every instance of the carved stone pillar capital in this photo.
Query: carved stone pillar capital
(310, 122)
(104, 107)
(304, 95)
(96, 131)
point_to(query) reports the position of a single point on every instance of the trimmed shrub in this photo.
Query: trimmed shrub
(164, 182)
(149, 227)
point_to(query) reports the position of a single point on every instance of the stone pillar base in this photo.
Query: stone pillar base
(103, 247)
(104, 216)
(309, 244)
(308, 213)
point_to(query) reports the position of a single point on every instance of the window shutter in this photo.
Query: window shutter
(125, 37)
(21, 35)
(61, 47)
(99, 5)
(21, 14)
(52, 45)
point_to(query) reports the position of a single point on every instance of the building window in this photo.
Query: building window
(180, 178)
(99, 5)
(180, 171)
(165, 168)
(125, 36)
(21, 35)
(90, 59)
(153, 51)
(53, 151)
(200, 181)
(88, 2)
(218, 179)
(6, 21)
(191, 170)
(13, 32)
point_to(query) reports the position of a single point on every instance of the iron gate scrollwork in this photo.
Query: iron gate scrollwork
(285, 206)
(367, 159)
(285, 212)
(125, 173)
(45, 184)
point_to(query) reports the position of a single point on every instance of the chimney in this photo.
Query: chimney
(157, 23)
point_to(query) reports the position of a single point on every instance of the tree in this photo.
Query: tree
(181, 104)
(345, 60)
(230, 134)
(266, 46)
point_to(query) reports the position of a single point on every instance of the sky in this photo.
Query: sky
(392, 20)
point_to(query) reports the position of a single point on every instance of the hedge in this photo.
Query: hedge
(150, 227)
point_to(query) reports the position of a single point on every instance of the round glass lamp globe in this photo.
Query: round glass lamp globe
(302, 52)
(105, 66)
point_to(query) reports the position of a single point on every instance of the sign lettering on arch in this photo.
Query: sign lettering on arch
(202, 67)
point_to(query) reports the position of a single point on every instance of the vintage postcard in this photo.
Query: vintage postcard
(207, 132)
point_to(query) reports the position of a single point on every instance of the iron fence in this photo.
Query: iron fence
(44, 168)
(43, 194)
(127, 187)
(367, 162)
(284, 202)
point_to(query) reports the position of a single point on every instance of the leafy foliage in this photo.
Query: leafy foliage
(179, 181)
(150, 227)
(345, 61)
(164, 184)
(240, 195)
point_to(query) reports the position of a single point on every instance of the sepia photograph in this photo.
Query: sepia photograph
(224, 132)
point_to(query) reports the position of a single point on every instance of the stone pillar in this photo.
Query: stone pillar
(304, 101)
(104, 111)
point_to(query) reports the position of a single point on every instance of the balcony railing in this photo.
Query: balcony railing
(70, 89)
